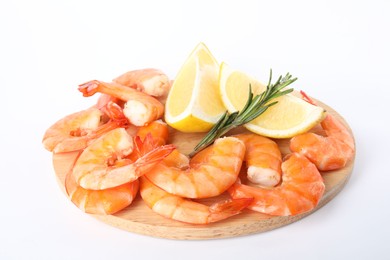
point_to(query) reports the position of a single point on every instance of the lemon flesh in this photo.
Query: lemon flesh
(193, 103)
(289, 117)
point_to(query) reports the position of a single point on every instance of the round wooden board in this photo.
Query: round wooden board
(138, 218)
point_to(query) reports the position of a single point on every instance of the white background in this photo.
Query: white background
(339, 50)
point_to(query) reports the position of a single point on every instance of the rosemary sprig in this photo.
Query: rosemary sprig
(253, 108)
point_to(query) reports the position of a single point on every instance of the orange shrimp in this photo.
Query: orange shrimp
(104, 163)
(76, 131)
(263, 159)
(185, 210)
(176, 207)
(210, 172)
(102, 202)
(150, 81)
(140, 108)
(300, 191)
(111, 200)
(329, 152)
(72, 132)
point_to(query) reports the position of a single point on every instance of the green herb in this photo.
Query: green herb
(253, 108)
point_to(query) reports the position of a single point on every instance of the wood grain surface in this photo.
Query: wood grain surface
(138, 218)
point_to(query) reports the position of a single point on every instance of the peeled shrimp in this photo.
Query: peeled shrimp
(185, 210)
(104, 163)
(209, 173)
(150, 81)
(112, 200)
(140, 108)
(72, 132)
(76, 131)
(329, 152)
(300, 191)
(102, 202)
(263, 159)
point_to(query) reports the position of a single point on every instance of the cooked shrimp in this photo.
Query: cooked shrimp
(263, 159)
(103, 202)
(140, 108)
(210, 172)
(329, 152)
(185, 210)
(104, 163)
(300, 191)
(150, 81)
(112, 200)
(76, 131)
(72, 132)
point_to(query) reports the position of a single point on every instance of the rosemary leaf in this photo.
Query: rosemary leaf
(254, 107)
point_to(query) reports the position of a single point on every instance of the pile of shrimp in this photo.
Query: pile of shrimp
(122, 146)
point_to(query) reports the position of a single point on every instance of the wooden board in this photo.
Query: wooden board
(138, 218)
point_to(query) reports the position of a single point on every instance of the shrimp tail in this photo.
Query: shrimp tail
(89, 88)
(227, 208)
(142, 147)
(307, 98)
(117, 120)
(115, 113)
(150, 159)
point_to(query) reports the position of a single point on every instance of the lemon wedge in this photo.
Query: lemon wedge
(289, 117)
(193, 103)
